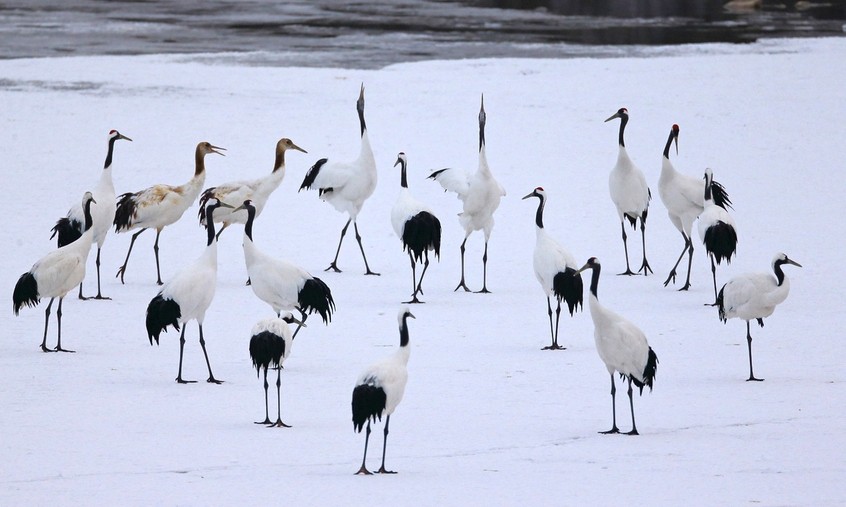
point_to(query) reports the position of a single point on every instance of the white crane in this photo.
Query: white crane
(556, 271)
(622, 346)
(158, 206)
(630, 193)
(257, 190)
(755, 296)
(480, 193)
(379, 390)
(56, 274)
(281, 284)
(683, 196)
(70, 228)
(417, 227)
(716, 230)
(270, 346)
(187, 296)
(346, 185)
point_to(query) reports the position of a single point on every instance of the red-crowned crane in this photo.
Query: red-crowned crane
(556, 271)
(282, 285)
(379, 390)
(417, 227)
(755, 296)
(70, 228)
(346, 185)
(270, 345)
(630, 193)
(480, 193)
(56, 274)
(158, 206)
(683, 196)
(257, 191)
(716, 230)
(187, 296)
(622, 346)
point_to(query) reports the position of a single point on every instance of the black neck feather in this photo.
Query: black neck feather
(210, 223)
(667, 147)
(708, 195)
(594, 280)
(109, 153)
(360, 108)
(539, 214)
(623, 120)
(404, 331)
(403, 178)
(481, 135)
(778, 272)
(251, 216)
(87, 212)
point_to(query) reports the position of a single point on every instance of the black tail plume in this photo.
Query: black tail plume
(720, 196)
(68, 230)
(422, 232)
(204, 198)
(721, 241)
(568, 286)
(368, 402)
(648, 372)
(266, 350)
(161, 313)
(720, 307)
(26, 292)
(315, 296)
(124, 212)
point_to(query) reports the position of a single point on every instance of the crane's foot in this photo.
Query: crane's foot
(483, 291)
(632, 432)
(370, 272)
(45, 349)
(363, 471)
(715, 303)
(611, 431)
(60, 349)
(212, 380)
(84, 298)
(383, 471)
(462, 285)
(627, 272)
(120, 273)
(159, 282)
(645, 268)
(754, 379)
(554, 346)
(333, 267)
(670, 277)
(265, 422)
(685, 287)
(101, 297)
(181, 381)
(413, 301)
(279, 424)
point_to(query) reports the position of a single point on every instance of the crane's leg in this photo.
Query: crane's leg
(334, 265)
(97, 263)
(303, 318)
(181, 349)
(222, 228)
(672, 275)
(631, 406)
(625, 248)
(211, 378)
(645, 265)
(413, 280)
(156, 251)
(46, 321)
(557, 318)
(484, 271)
(553, 331)
(689, 264)
(748, 343)
(266, 411)
(59, 328)
(363, 469)
(425, 267)
(279, 423)
(461, 284)
(614, 428)
(714, 276)
(361, 247)
(384, 446)
(84, 298)
(122, 270)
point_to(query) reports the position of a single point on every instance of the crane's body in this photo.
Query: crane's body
(270, 346)
(717, 230)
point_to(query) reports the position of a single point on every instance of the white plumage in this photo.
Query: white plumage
(379, 389)
(270, 345)
(555, 269)
(187, 296)
(346, 185)
(55, 274)
(258, 191)
(480, 193)
(717, 230)
(161, 205)
(755, 296)
(621, 345)
(416, 225)
(629, 192)
(281, 284)
(102, 214)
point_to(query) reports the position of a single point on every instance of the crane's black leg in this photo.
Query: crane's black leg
(211, 378)
(714, 276)
(334, 265)
(672, 275)
(614, 428)
(645, 265)
(553, 331)
(122, 270)
(748, 343)
(156, 251)
(361, 247)
(689, 264)
(484, 271)
(46, 321)
(59, 328)
(182, 348)
(97, 262)
(266, 411)
(557, 318)
(384, 446)
(425, 267)
(222, 228)
(461, 284)
(631, 406)
(363, 469)
(625, 248)
(84, 298)
(279, 423)
(413, 280)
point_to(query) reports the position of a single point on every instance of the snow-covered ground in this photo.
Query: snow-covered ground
(488, 418)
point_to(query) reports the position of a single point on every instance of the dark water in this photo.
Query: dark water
(376, 33)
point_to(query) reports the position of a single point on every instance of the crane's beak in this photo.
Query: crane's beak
(215, 148)
(790, 261)
(224, 205)
(615, 115)
(586, 266)
(411, 315)
(676, 140)
(121, 136)
(398, 162)
(290, 319)
(295, 147)
(530, 194)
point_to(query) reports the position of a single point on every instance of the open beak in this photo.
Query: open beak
(215, 148)
(411, 315)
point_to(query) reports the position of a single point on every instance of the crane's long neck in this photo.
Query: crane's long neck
(539, 213)
(210, 224)
(403, 178)
(594, 281)
(110, 152)
(360, 109)
(199, 162)
(778, 272)
(623, 120)
(89, 221)
(248, 227)
(404, 332)
(709, 196)
(666, 147)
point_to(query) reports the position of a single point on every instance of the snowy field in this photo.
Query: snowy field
(488, 418)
